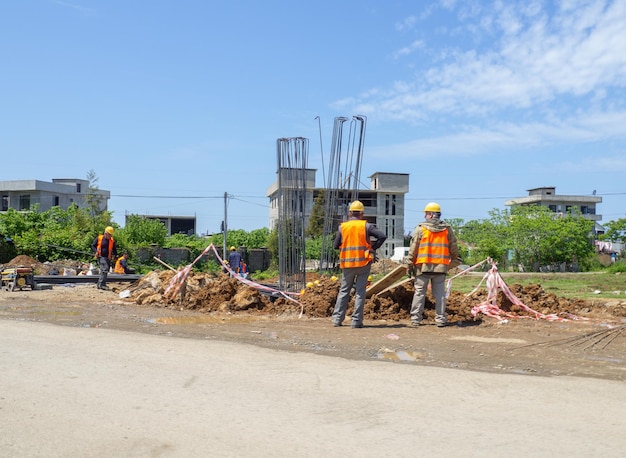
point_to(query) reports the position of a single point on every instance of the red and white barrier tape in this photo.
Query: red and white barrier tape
(179, 279)
(494, 281)
(463, 272)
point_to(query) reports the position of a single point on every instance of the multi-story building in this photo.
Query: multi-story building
(383, 202)
(21, 195)
(562, 204)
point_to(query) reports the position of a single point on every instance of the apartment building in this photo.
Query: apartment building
(562, 203)
(22, 195)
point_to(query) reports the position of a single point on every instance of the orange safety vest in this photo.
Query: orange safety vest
(355, 248)
(119, 268)
(99, 246)
(434, 248)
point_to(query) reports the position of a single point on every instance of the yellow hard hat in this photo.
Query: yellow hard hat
(109, 230)
(357, 206)
(232, 248)
(432, 207)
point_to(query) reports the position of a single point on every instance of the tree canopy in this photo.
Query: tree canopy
(530, 236)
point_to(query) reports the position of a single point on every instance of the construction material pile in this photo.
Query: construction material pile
(225, 294)
(66, 266)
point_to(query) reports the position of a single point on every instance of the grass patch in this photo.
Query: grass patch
(581, 285)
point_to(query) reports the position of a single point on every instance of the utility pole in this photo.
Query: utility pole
(225, 225)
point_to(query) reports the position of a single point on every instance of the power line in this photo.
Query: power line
(166, 197)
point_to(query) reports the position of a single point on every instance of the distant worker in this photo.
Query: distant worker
(243, 269)
(356, 252)
(234, 259)
(432, 252)
(121, 266)
(105, 250)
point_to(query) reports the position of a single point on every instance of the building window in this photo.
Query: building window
(25, 202)
(5, 203)
(78, 187)
(55, 201)
(552, 208)
(390, 204)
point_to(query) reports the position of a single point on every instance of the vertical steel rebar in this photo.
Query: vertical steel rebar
(292, 158)
(343, 182)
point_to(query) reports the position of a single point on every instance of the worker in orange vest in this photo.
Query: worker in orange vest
(105, 250)
(243, 269)
(121, 266)
(432, 252)
(356, 252)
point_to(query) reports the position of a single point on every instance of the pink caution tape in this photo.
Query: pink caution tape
(495, 282)
(179, 279)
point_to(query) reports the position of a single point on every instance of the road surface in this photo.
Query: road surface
(89, 392)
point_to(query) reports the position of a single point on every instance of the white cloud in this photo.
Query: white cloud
(576, 52)
(511, 136)
(417, 44)
(406, 24)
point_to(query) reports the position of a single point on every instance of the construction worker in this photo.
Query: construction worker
(105, 250)
(121, 266)
(234, 259)
(432, 252)
(356, 252)
(243, 269)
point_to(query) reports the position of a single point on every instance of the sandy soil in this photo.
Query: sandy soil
(222, 308)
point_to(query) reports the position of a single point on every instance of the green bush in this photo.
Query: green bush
(618, 267)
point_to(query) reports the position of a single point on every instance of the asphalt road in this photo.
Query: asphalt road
(86, 392)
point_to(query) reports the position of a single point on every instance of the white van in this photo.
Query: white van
(400, 254)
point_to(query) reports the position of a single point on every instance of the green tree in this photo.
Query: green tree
(616, 231)
(272, 247)
(254, 239)
(539, 238)
(482, 239)
(316, 220)
(141, 232)
(455, 223)
(257, 238)
(93, 198)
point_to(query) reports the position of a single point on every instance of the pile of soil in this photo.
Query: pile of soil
(220, 293)
(208, 293)
(48, 267)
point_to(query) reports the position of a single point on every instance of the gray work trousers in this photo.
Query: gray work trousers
(357, 277)
(104, 264)
(438, 285)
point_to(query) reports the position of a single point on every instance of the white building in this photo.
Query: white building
(22, 195)
(383, 202)
(562, 203)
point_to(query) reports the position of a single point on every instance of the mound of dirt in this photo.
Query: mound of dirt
(48, 268)
(210, 293)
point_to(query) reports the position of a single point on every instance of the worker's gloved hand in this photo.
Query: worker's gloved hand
(410, 270)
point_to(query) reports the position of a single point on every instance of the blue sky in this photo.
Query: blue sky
(174, 103)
